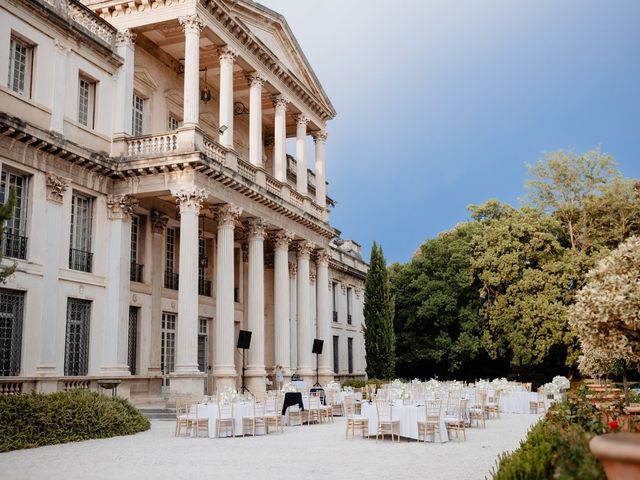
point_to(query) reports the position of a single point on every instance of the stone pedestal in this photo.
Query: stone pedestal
(187, 385)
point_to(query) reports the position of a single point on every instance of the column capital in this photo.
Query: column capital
(191, 23)
(322, 257)
(256, 228)
(280, 101)
(256, 79)
(227, 54)
(312, 277)
(190, 199)
(320, 136)
(125, 38)
(302, 120)
(56, 186)
(158, 221)
(120, 207)
(281, 239)
(357, 291)
(304, 248)
(227, 215)
(293, 270)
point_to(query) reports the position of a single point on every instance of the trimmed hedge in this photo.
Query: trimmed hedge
(558, 446)
(35, 420)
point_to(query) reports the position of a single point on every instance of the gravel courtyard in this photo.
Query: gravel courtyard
(308, 452)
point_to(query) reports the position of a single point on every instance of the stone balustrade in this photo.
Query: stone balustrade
(152, 144)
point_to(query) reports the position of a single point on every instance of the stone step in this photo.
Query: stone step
(159, 413)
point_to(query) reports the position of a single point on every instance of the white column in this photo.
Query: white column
(190, 201)
(227, 57)
(320, 139)
(301, 153)
(281, 240)
(59, 85)
(304, 314)
(256, 82)
(116, 320)
(255, 228)
(158, 227)
(322, 313)
(124, 83)
(293, 314)
(192, 26)
(280, 103)
(224, 367)
(56, 187)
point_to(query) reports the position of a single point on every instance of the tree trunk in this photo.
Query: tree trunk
(625, 385)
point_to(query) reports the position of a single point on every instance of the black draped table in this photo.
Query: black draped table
(292, 398)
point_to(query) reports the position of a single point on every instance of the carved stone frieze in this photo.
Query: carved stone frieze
(125, 37)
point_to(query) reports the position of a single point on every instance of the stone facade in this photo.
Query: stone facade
(158, 212)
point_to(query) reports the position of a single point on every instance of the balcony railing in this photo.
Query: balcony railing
(136, 271)
(80, 260)
(171, 280)
(14, 246)
(204, 287)
(335, 316)
(152, 144)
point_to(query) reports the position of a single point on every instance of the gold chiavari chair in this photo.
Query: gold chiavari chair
(431, 424)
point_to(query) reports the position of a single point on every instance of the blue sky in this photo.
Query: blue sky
(441, 103)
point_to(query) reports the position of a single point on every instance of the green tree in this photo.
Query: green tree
(562, 182)
(437, 305)
(378, 317)
(6, 213)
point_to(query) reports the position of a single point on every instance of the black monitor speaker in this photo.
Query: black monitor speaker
(317, 346)
(244, 339)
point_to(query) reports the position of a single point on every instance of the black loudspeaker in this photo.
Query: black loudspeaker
(244, 339)
(317, 346)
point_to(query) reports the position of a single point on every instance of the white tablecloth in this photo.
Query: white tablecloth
(301, 385)
(244, 409)
(516, 402)
(409, 415)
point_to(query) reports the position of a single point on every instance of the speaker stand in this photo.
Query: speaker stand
(317, 384)
(243, 387)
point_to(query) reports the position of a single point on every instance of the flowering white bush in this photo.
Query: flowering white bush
(550, 388)
(561, 382)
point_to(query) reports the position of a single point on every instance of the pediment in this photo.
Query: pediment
(272, 30)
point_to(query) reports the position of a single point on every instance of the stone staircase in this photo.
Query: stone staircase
(158, 412)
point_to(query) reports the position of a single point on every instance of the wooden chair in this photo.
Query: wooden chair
(296, 415)
(539, 404)
(182, 416)
(355, 422)
(313, 412)
(457, 422)
(431, 424)
(256, 420)
(386, 423)
(493, 405)
(199, 419)
(273, 413)
(226, 421)
(477, 412)
(334, 404)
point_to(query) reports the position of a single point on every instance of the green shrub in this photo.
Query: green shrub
(37, 419)
(355, 383)
(558, 446)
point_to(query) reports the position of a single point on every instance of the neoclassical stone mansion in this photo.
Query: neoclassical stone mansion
(157, 211)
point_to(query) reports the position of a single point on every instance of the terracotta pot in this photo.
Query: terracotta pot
(619, 453)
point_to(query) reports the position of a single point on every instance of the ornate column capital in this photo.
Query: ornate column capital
(293, 270)
(312, 277)
(227, 215)
(281, 239)
(190, 199)
(256, 228)
(56, 186)
(280, 101)
(302, 120)
(227, 54)
(320, 136)
(120, 207)
(158, 221)
(256, 79)
(343, 287)
(322, 257)
(191, 23)
(304, 248)
(125, 38)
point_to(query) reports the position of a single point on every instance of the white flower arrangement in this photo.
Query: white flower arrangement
(333, 386)
(561, 382)
(550, 388)
(416, 381)
(229, 394)
(396, 383)
(288, 388)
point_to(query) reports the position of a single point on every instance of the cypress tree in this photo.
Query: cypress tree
(379, 337)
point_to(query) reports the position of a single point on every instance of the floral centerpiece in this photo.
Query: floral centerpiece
(289, 387)
(332, 386)
(561, 382)
(550, 389)
(228, 394)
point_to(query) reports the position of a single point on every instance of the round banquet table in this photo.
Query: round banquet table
(409, 415)
(516, 402)
(240, 409)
